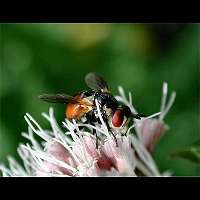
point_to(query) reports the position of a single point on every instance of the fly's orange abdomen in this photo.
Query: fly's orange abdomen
(76, 110)
(72, 111)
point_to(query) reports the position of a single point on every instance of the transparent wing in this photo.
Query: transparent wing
(57, 98)
(96, 82)
(63, 98)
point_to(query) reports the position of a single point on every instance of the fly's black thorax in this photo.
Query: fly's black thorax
(106, 100)
(86, 93)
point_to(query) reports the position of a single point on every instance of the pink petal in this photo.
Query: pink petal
(116, 154)
(60, 153)
(103, 161)
(151, 130)
(51, 168)
(90, 145)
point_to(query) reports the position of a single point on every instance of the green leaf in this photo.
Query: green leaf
(197, 143)
(191, 154)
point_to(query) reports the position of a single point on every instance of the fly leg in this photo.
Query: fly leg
(80, 127)
(105, 119)
(91, 119)
(109, 129)
(94, 132)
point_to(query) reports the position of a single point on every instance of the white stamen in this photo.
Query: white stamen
(41, 133)
(124, 100)
(82, 146)
(50, 159)
(164, 96)
(130, 98)
(171, 101)
(145, 156)
(140, 121)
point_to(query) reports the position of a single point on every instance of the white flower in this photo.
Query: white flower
(74, 153)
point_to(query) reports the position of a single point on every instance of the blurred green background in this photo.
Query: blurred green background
(54, 58)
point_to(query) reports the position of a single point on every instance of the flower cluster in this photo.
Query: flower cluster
(74, 152)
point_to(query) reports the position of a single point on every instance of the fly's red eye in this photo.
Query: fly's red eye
(117, 119)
